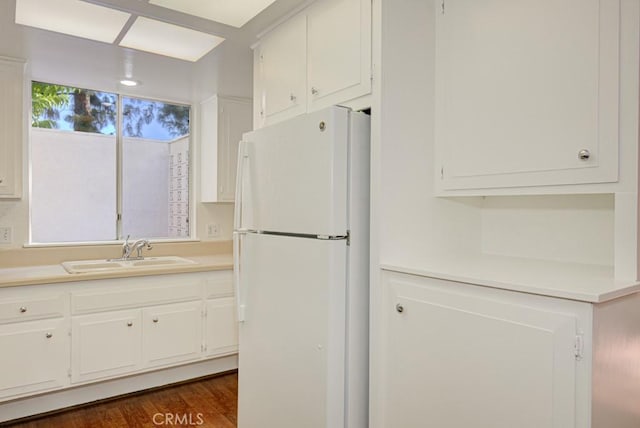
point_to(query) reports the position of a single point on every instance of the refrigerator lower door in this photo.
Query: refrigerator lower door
(292, 340)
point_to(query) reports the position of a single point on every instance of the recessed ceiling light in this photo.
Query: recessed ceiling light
(235, 13)
(73, 17)
(128, 82)
(171, 40)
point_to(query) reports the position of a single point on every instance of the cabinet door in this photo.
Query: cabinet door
(526, 92)
(11, 127)
(282, 65)
(339, 52)
(105, 344)
(456, 359)
(234, 119)
(221, 330)
(172, 333)
(34, 357)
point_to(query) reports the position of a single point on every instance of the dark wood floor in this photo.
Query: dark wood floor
(208, 402)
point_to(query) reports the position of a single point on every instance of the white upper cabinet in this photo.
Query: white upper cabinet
(317, 58)
(281, 66)
(338, 52)
(526, 93)
(11, 127)
(223, 120)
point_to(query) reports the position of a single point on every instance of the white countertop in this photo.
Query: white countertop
(55, 273)
(588, 283)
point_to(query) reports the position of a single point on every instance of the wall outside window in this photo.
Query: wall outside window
(73, 186)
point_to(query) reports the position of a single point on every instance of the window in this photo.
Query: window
(106, 166)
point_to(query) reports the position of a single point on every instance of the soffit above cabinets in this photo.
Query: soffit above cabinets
(234, 13)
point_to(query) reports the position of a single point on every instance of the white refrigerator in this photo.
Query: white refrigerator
(301, 254)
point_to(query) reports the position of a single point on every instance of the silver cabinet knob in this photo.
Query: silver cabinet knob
(129, 324)
(48, 335)
(292, 97)
(584, 154)
(155, 319)
(23, 309)
(399, 308)
(314, 91)
(1, 180)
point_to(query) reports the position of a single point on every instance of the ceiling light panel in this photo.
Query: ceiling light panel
(235, 12)
(73, 17)
(171, 40)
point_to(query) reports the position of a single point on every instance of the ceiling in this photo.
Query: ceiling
(64, 59)
(247, 33)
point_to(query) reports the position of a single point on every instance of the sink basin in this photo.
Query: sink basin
(91, 266)
(160, 261)
(86, 266)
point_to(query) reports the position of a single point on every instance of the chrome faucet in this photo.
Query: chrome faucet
(138, 246)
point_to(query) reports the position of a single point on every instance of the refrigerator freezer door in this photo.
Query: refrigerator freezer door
(295, 175)
(292, 340)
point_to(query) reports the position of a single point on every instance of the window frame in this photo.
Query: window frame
(119, 135)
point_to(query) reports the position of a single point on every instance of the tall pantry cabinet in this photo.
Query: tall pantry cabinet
(508, 286)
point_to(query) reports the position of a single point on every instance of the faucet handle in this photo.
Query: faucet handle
(126, 248)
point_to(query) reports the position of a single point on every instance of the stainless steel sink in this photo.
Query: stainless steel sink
(87, 266)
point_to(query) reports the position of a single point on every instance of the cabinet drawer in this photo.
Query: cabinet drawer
(104, 299)
(17, 310)
(219, 286)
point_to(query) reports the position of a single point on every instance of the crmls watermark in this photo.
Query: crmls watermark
(181, 419)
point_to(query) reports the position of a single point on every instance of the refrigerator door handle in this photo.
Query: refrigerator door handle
(237, 242)
(238, 232)
(242, 155)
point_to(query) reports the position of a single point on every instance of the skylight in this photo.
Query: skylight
(167, 39)
(235, 12)
(73, 17)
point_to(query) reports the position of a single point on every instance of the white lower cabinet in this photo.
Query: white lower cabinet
(221, 331)
(105, 344)
(127, 326)
(461, 356)
(34, 357)
(172, 333)
(54, 336)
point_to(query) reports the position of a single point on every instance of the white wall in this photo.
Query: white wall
(73, 186)
(74, 192)
(145, 184)
(564, 228)
(414, 226)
